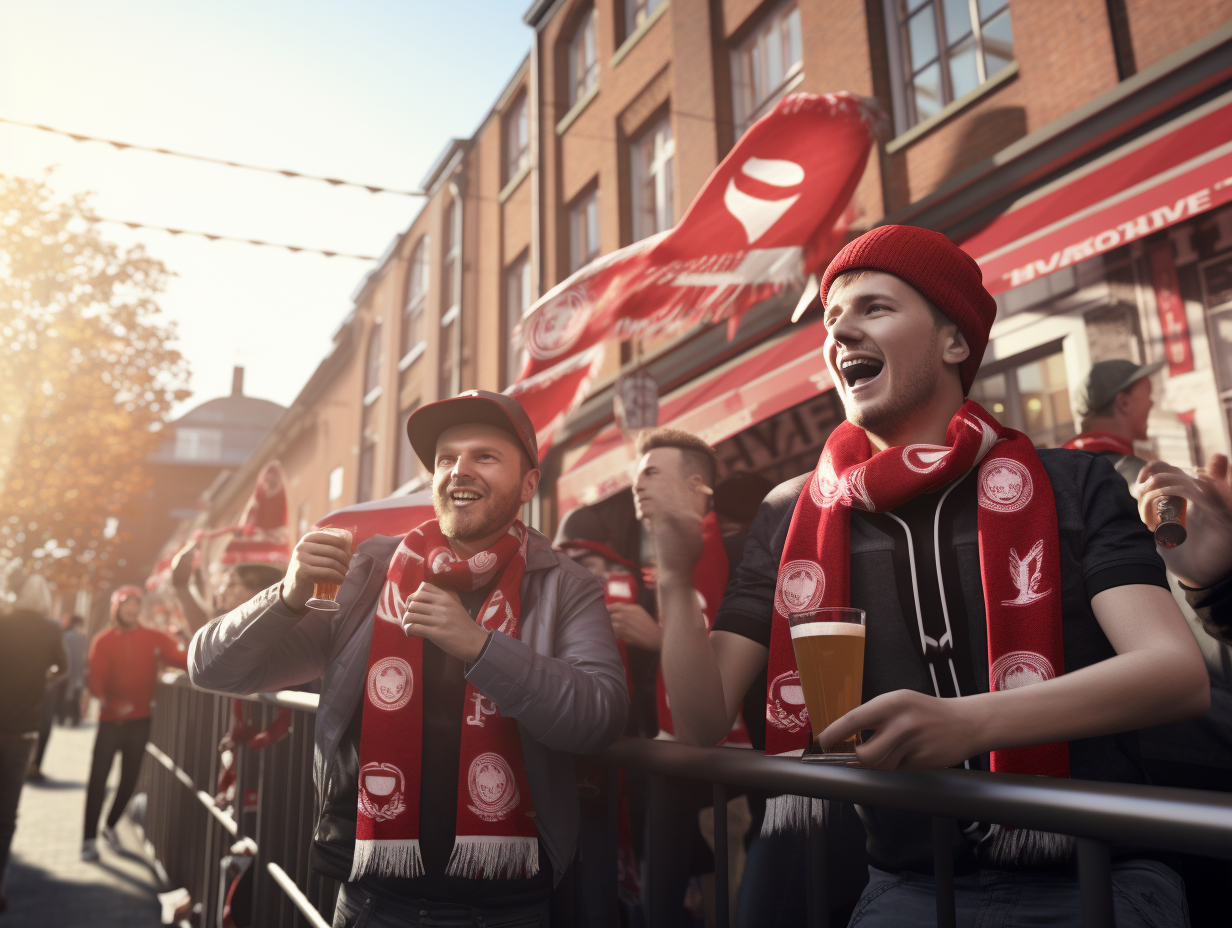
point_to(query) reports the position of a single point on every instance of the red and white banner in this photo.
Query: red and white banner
(1172, 322)
(771, 213)
(1172, 174)
(550, 396)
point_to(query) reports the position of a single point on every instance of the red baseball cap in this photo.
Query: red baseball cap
(425, 425)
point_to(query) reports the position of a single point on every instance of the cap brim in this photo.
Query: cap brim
(1146, 370)
(425, 425)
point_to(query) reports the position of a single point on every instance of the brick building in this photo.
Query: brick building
(1012, 125)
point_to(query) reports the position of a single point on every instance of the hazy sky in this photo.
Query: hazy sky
(363, 90)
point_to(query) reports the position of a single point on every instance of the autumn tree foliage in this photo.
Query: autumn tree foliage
(87, 375)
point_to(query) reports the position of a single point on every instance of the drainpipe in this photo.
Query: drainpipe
(455, 191)
(536, 225)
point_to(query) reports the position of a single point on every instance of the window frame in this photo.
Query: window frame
(630, 11)
(580, 85)
(903, 71)
(517, 133)
(583, 204)
(665, 211)
(516, 276)
(416, 302)
(372, 364)
(771, 22)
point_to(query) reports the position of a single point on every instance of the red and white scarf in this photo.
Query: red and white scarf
(1095, 442)
(495, 834)
(1019, 561)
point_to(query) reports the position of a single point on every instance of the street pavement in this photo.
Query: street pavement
(48, 885)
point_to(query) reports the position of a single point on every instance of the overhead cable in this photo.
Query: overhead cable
(213, 237)
(121, 146)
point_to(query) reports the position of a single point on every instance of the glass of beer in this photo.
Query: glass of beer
(325, 595)
(829, 646)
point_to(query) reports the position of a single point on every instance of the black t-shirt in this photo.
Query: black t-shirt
(1103, 544)
(444, 693)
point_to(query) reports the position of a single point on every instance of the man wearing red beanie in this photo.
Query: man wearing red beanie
(1018, 616)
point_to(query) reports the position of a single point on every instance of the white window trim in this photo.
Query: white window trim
(450, 315)
(570, 117)
(794, 78)
(627, 45)
(514, 183)
(373, 395)
(411, 356)
(903, 139)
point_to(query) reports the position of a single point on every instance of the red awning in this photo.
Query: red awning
(773, 376)
(1170, 174)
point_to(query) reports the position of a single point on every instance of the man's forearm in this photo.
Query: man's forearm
(690, 670)
(1133, 690)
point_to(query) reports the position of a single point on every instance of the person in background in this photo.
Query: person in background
(124, 664)
(1018, 615)
(31, 653)
(1197, 753)
(1114, 405)
(76, 646)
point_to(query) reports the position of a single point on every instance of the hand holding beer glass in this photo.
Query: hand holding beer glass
(325, 593)
(829, 647)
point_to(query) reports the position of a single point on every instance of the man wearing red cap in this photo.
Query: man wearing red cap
(467, 662)
(1018, 616)
(124, 664)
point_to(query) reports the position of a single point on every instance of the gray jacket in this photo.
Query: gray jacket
(561, 679)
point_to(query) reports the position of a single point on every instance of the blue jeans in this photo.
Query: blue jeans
(361, 907)
(1145, 894)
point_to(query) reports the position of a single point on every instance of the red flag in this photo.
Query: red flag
(769, 214)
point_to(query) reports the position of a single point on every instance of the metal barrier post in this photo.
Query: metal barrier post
(817, 880)
(943, 871)
(655, 892)
(1095, 883)
(722, 878)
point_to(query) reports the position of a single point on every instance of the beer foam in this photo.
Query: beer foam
(827, 628)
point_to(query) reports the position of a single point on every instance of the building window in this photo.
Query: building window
(949, 47)
(517, 301)
(1032, 397)
(637, 12)
(517, 138)
(372, 365)
(652, 156)
(367, 465)
(448, 260)
(335, 484)
(198, 444)
(584, 230)
(406, 454)
(583, 59)
(764, 64)
(449, 357)
(416, 297)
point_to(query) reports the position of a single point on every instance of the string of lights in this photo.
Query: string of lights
(213, 237)
(121, 146)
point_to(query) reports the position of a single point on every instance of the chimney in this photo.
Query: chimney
(237, 381)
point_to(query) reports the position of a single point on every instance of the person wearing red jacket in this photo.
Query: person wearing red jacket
(124, 664)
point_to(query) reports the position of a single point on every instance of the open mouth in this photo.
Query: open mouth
(464, 497)
(857, 371)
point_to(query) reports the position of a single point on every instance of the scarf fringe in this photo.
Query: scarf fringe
(1025, 847)
(387, 858)
(491, 857)
(792, 814)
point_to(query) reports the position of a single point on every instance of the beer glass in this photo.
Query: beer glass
(325, 595)
(829, 646)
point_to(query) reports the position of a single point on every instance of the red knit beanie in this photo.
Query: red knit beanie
(946, 275)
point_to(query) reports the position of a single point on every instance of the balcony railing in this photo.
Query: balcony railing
(275, 808)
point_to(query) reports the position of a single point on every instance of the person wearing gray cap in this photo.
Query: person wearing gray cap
(1115, 404)
(465, 666)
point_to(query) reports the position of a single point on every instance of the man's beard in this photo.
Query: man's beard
(489, 517)
(915, 388)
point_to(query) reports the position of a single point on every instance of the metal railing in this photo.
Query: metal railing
(189, 834)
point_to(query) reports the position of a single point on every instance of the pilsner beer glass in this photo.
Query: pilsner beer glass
(325, 595)
(829, 646)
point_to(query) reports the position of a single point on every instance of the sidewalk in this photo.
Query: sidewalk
(48, 885)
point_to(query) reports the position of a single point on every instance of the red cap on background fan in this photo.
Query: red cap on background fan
(121, 593)
(947, 276)
(262, 534)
